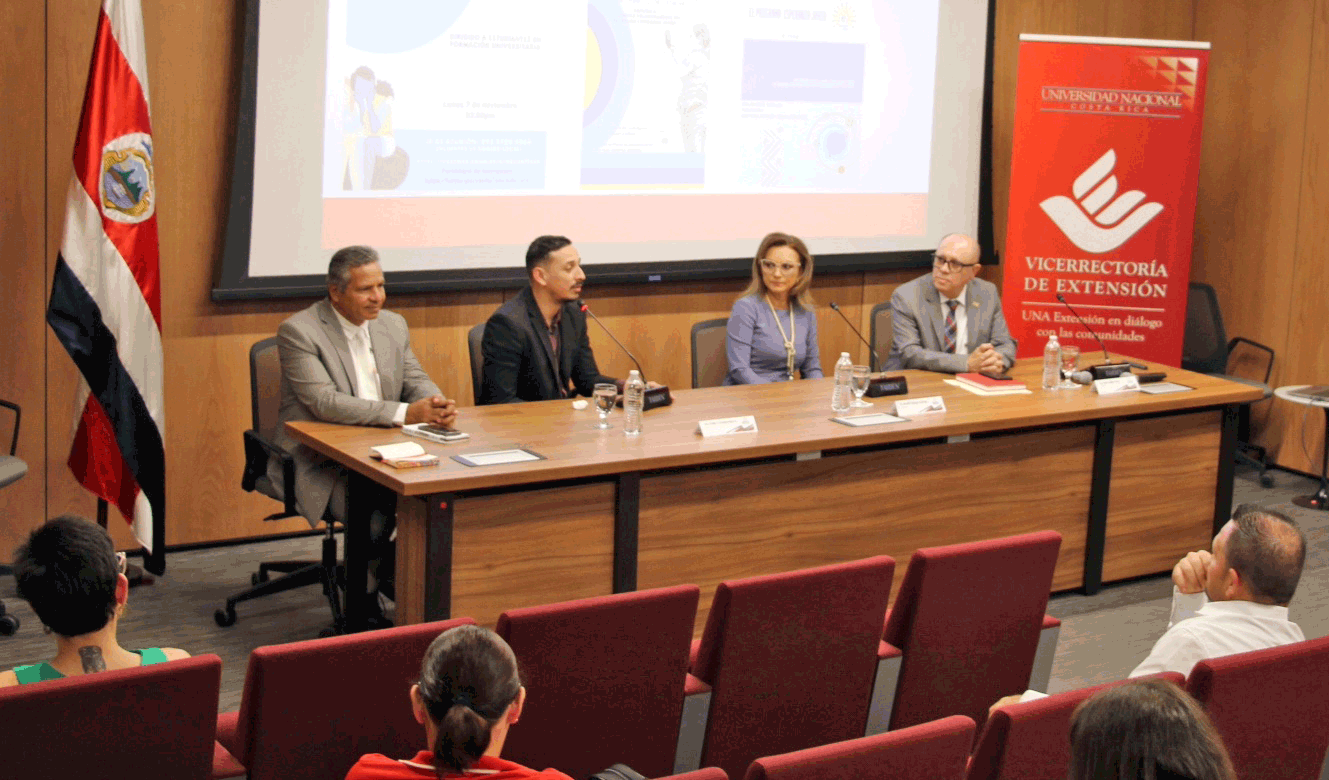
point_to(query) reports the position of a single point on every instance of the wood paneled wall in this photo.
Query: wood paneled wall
(1259, 231)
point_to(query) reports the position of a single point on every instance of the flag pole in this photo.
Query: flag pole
(133, 572)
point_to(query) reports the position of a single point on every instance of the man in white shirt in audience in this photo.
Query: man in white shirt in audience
(1233, 599)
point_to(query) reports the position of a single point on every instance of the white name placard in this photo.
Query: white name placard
(910, 407)
(724, 426)
(1121, 384)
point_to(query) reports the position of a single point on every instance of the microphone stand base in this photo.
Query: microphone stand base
(879, 386)
(656, 397)
(1110, 370)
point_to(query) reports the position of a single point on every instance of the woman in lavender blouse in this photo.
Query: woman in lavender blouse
(772, 332)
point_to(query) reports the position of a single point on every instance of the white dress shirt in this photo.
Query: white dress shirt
(364, 364)
(961, 319)
(1200, 629)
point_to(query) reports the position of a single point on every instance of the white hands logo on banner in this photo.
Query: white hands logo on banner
(1089, 221)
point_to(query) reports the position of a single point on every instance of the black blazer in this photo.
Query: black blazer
(518, 362)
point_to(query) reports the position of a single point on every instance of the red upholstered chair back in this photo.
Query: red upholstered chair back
(1031, 741)
(967, 619)
(604, 680)
(708, 773)
(310, 709)
(929, 751)
(1271, 708)
(790, 658)
(155, 721)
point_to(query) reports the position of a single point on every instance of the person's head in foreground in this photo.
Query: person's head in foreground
(1257, 556)
(468, 695)
(1145, 730)
(71, 576)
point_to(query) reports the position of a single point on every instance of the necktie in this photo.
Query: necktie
(950, 326)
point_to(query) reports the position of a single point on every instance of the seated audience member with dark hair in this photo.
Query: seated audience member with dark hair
(69, 572)
(468, 695)
(1145, 730)
(1233, 599)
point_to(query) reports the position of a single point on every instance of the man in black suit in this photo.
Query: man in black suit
(535, 346)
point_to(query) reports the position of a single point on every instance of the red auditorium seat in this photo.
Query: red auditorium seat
(709, 773)
(790, 659)
(604, 680)
(151, 721)
(929, 751)
(1271, 708)
(310, 709)
(967, 622)
(1031, 741)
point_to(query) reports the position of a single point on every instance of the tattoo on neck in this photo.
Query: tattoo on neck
(92, 659)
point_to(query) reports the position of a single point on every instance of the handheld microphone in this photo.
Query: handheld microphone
(656, 396)
(1108, 369)
(878, 386)
(1087, 378)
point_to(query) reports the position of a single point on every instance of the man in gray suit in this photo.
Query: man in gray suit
(348, 360)
(949, 320)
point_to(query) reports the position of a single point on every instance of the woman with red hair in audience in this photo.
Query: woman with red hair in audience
(71, 575)
(468, 695)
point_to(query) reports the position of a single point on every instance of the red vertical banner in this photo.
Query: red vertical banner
(1104, 173)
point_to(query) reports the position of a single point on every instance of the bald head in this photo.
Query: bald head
(961, 247)
(1267, 550)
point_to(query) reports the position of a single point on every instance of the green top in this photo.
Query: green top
(32, 673)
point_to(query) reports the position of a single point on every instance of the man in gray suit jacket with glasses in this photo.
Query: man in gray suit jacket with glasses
(348, 360)
(949, 320)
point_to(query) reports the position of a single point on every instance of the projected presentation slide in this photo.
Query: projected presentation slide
(448, 133)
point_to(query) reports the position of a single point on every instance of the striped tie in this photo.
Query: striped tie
(950, 326)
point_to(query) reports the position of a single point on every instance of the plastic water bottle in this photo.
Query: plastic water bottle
(844, 368)
(634, 396)
(1052, 364)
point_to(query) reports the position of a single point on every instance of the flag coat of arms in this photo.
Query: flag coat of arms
(105, 305)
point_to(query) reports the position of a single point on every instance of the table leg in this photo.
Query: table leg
(1320, 500)
(627, 505)
(359, 504)
(1100, 487)
(1227, 466)
(438, 556)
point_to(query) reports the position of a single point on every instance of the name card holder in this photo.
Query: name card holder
(912, 407)
(1121, 384)
(724, 426)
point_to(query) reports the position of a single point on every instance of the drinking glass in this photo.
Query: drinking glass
(859, 377)
(1070, 363)
(605, 394)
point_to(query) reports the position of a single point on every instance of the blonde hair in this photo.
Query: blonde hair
(801, 292)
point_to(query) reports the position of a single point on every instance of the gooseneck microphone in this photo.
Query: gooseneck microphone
(876, 359)
(587, 310)
(655, 396)
(878, 386)
(1108, 369)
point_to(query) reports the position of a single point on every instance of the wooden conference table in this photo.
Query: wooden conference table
(1132, 482)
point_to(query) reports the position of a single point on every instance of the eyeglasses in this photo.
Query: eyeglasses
(949, 264)
(770, 267)
(121, 562)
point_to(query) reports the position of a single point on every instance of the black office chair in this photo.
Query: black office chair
(882, 334)
(12, 469)
(474, 338)
(710, 364)
(1207, 350)
(265, 397)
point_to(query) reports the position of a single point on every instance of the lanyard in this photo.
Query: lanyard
(789, 339)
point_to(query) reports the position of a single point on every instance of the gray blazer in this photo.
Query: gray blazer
(920, 329)
(318, 383)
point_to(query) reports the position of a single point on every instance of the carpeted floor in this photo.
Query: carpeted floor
(1103, 637)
